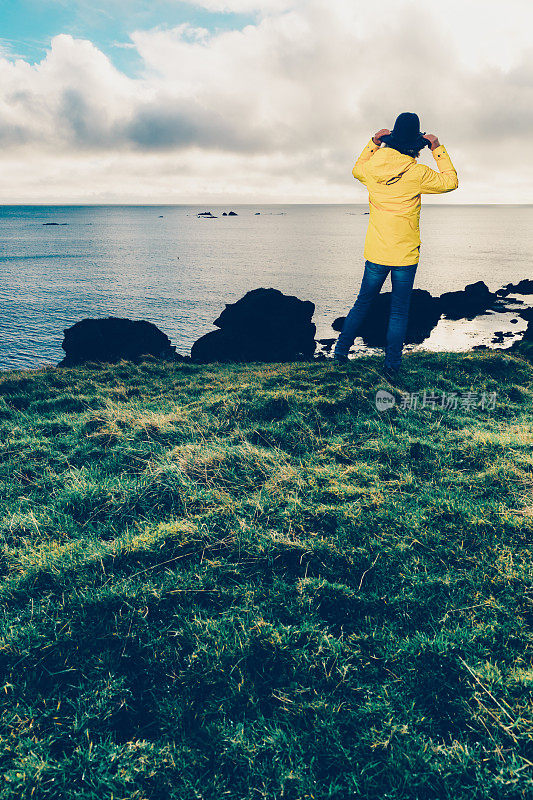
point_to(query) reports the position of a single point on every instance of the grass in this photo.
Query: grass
(243, 581)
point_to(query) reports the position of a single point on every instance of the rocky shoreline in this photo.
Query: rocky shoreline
(267, 325)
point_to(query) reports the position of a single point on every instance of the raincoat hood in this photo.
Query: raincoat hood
(387, 164)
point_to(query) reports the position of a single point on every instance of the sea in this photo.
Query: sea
(167, 265)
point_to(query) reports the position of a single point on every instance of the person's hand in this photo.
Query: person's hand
(377, 136)
(433, 141)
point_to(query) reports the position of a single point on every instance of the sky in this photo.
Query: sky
(256, 101)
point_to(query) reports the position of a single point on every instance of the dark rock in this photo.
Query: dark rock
(55, 223)
(233, 214)
(424, 313)
(257, 213)
(224, 213)
(264, 325)
(160, 216)
(528, 333)
(499, 336)
(327, 343)
(480, 347)
(525, 343)
(473, 300)
(115, 338)
(525, 286)
(206, 215)
(514, 321)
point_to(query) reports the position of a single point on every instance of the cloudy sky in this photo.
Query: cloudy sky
(167, 101)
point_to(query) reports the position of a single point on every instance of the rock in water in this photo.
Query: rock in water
(113, 339)
(424, 313)
(264, 325)
(527, 336)
(524, 346)
(475, 299)
(525, 286)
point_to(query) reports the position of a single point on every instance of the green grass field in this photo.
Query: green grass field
(244, 581)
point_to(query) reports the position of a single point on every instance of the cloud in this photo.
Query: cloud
(281, 106)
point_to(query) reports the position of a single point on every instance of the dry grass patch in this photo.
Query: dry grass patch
(234, 467)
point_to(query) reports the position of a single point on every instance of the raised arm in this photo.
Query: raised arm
(370, 149)
(433, 182)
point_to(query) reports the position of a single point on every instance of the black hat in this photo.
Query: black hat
(406, 136)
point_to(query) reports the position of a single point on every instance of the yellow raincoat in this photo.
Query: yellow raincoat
(395, 182)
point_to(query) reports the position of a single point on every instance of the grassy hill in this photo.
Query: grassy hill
(244, 581)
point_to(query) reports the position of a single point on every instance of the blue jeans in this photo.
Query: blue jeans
(373, 279)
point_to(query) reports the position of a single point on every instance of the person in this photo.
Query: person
(395, 183)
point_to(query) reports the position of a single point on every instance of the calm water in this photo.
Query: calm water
(178, 271)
